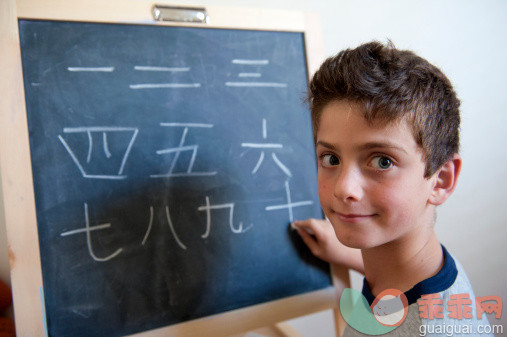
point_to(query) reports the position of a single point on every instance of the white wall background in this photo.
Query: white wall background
(468, 41)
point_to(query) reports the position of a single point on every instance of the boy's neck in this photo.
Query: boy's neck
(403, 263)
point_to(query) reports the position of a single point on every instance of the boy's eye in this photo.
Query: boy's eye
(381, 163)
(329, 160)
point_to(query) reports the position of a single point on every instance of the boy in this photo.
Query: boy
(386, 129)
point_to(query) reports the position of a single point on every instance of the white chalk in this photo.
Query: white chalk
(307, 229)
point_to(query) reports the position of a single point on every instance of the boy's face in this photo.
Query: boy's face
(371, 178)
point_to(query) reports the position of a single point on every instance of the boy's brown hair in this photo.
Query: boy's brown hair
(393, 85)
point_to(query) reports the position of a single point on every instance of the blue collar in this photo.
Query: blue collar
(435, 284)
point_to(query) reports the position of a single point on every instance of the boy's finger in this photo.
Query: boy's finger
(306, 225)
(308, 240)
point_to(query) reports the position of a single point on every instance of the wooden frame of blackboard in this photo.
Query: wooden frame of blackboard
(16, 174)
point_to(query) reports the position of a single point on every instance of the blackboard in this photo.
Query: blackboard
(167, 164)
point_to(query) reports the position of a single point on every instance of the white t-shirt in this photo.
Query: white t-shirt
(451, 280)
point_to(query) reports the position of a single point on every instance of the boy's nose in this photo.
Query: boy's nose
(348, 185)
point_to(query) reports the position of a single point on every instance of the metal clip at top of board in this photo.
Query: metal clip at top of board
(180, 14)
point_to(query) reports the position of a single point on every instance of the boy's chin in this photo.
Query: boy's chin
(357, 242)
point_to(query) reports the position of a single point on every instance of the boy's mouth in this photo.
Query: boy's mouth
(352, 217)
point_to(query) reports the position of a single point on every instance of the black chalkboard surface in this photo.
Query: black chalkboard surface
(168, 163)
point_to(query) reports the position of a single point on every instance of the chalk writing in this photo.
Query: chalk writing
(88, 229)
(91, 69)
(170, 69)
(172, 173)
(251, 74)
(251, 62)
(229, 206)
(267, 146)
(181, 148)
(289, 205)
(150, 224)
(104, 130)
(172, 85)
(171, 227)
(164, 85)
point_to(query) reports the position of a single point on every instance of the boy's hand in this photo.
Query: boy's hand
(320, 238)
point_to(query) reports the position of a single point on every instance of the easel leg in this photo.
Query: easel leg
(341, 280)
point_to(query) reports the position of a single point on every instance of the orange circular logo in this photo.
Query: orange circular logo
(390, 307)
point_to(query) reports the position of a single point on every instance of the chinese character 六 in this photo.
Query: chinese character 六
(264, 146)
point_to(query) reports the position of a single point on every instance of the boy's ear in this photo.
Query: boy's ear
(446, 179)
